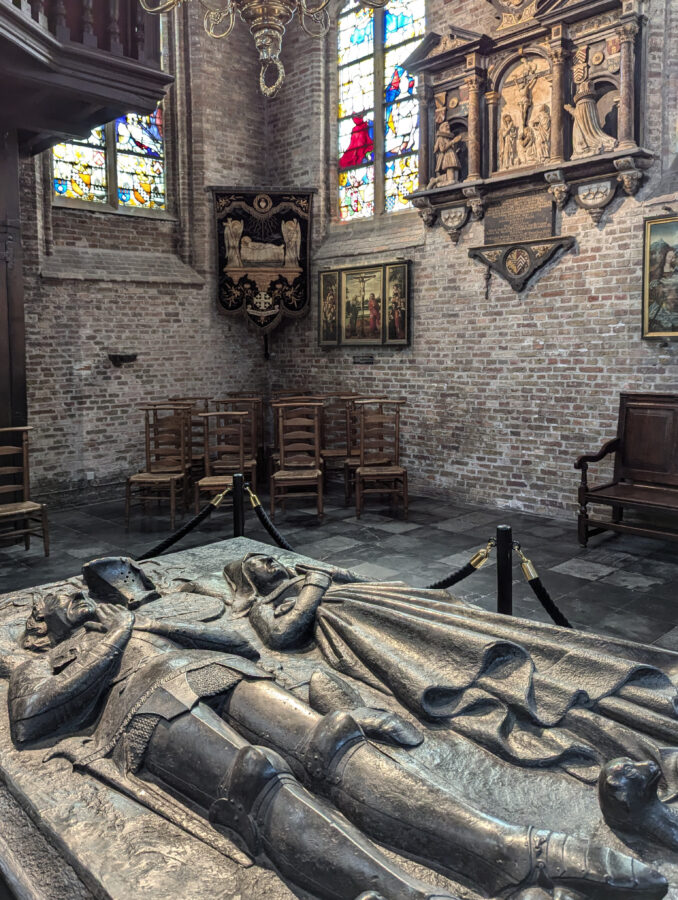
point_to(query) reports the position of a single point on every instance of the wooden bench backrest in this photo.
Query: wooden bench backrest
(648, 432)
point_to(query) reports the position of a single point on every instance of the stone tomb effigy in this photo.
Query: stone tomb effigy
(241, 722)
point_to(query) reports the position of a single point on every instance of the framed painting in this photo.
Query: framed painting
(397, 315)
(362, 306)
(660, 279)
(328, 309)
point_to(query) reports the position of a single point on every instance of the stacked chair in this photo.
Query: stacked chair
(168, 431)
(20, 517)
(225, 450)
(298, 436)
(379, 471)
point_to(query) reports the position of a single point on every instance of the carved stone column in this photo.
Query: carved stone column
(627, 37)
(475, 126)
(492, 100)
(425, 95)
(558, 56)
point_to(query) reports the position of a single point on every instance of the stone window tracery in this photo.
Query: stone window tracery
(378, 112)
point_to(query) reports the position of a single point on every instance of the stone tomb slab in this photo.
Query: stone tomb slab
(120, 849)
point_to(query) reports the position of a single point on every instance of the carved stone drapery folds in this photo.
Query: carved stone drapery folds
(550, 95)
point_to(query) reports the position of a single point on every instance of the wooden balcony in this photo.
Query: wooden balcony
(68, 65)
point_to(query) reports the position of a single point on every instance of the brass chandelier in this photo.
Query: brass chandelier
(266, 20)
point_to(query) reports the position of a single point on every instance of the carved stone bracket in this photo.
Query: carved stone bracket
(595, 196)
(558, 187)
(453, 220)
(629, 176)
(474, 200)
(517, 262)
(428, 214)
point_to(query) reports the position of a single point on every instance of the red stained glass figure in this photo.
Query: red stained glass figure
(361, 143)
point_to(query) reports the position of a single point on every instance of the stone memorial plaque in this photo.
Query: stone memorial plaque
(523, 218)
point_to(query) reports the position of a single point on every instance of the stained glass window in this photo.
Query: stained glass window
(80, 169)
(121, 164)
(377, 167)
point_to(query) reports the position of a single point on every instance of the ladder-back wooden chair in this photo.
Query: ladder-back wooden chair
(197, 405)
(248, 465)
(289, 398)
(20, 517)
(225, 441)
(352, 457)
(380, 471)
(167, 431)
(333, 436)
(299, 442)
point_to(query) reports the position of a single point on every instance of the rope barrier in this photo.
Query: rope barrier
(540, 592)
(476, 562)
(265, 520)
(206, 511)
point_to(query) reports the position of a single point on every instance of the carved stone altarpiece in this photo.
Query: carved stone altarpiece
(546, 103)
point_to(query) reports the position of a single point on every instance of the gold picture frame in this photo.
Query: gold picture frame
(660, 279)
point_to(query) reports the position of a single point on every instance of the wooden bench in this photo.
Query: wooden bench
(645, 468)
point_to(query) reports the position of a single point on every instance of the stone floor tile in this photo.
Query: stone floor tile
(466, 521)
(668, 640)
(634, 581)
(581, 568)
(377, 572)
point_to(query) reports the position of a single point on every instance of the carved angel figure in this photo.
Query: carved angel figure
(291, 232)
(232, 234)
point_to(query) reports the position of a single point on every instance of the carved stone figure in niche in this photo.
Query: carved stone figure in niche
(508, 147)
(541, 127)
(183, 703)
(588, 137)
(524, 131)
(448, 164)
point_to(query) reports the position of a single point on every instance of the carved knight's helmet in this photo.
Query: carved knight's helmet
(116, 579)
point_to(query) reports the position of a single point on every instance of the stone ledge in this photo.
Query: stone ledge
(87, 264)
(367, 237)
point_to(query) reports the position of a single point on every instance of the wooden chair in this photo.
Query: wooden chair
(168, 458)
(197, 405)
(333, 437)
(645, 477)
(224, 441)
(352, 458)
(380, 441)
(17, 510)
(300, 465)
(250, 407)
(273, 454)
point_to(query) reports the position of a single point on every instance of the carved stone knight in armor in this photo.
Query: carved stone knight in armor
(185, 704)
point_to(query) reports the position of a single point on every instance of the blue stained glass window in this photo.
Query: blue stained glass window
(396, 30)
(132, 146)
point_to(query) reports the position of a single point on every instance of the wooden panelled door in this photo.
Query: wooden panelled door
(12, 332)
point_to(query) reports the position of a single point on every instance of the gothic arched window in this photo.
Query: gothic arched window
(378, 111)
(120, 165)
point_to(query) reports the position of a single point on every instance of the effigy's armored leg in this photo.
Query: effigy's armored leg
(398, 806)
(252, 792)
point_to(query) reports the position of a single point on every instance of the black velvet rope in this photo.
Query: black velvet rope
(460, 574)
(543, 597)
(177, 536)
(270, 527)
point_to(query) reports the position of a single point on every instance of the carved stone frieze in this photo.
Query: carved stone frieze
(517, 262)
(453, 220)
(595, 196)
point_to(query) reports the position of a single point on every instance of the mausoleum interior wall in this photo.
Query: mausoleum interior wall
(504, 389)
(98, 281)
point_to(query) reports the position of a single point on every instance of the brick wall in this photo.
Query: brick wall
(504, 389)
(102, 281)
